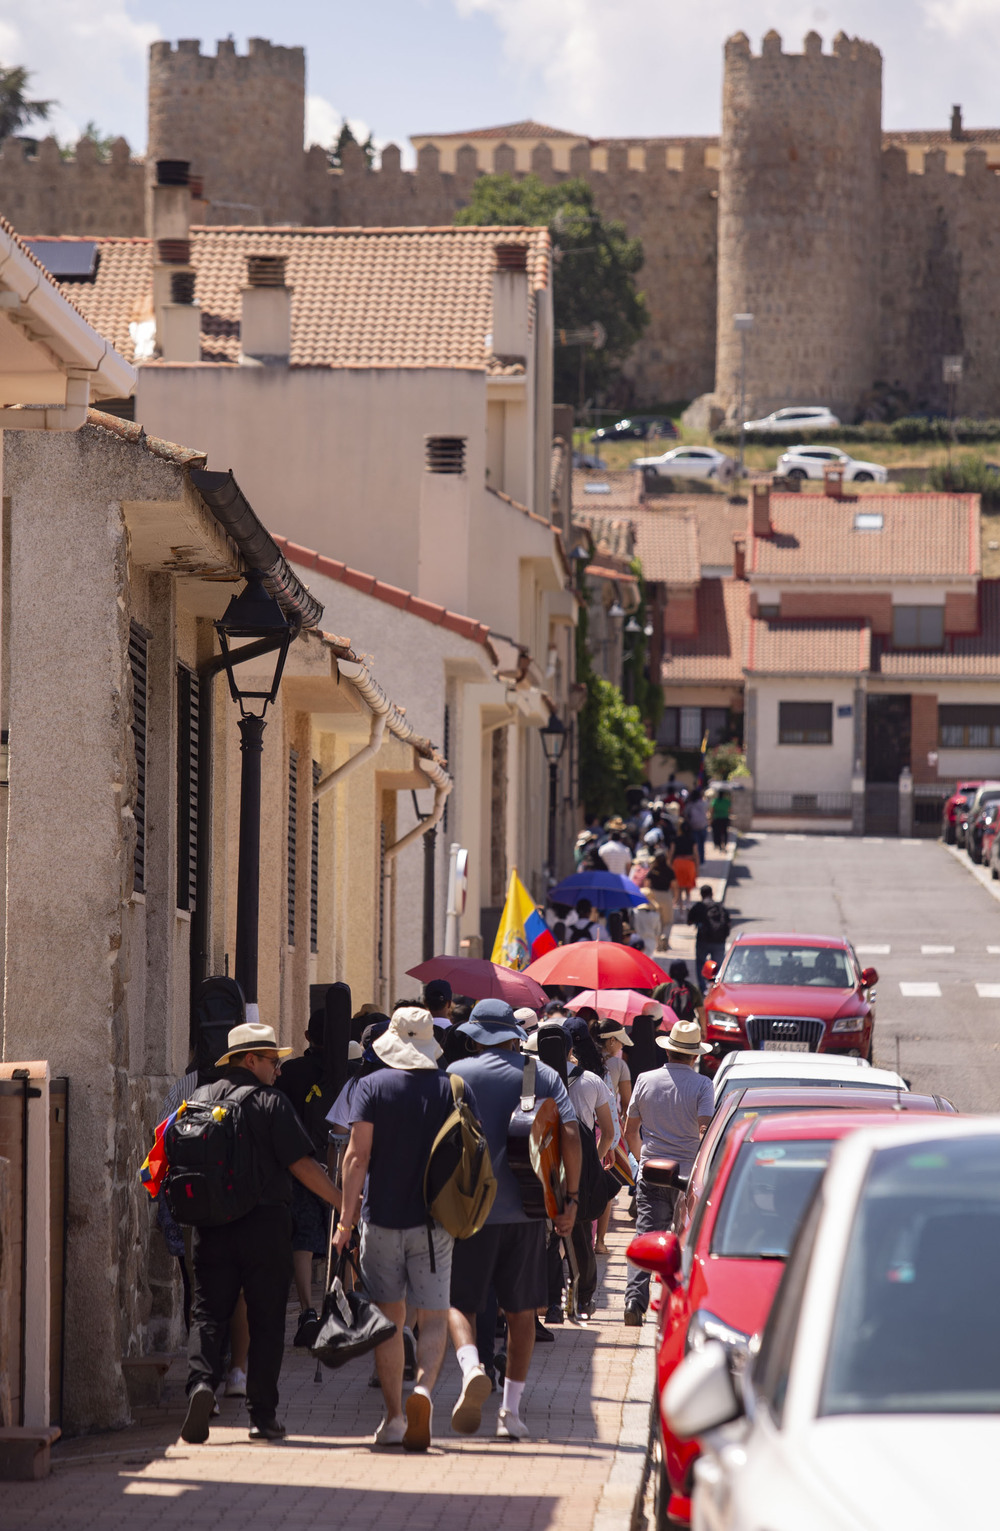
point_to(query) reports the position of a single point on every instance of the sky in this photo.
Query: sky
(634, 68)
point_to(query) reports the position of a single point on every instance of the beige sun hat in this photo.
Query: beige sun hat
(684, 1037)
(408, 1041)
(526, 1018)
(251, 1037)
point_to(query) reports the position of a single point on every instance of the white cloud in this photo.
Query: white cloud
(91, 59)
(323, 124)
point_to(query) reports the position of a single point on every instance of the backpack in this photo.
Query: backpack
(681, 1001)
(716, 923)
(212, 1176)
(459, 1184)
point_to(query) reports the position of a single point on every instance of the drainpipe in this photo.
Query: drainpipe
(377, 700)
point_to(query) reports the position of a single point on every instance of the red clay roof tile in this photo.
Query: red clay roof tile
(923, 535)
(716, 654)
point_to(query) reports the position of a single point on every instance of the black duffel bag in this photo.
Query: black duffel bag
(350, 1325)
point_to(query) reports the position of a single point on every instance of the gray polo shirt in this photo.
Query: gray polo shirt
(667, 1102)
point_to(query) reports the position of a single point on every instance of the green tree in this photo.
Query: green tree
(614, 746)
(102, 142)
(595, 269)
(16, 111)
(346, 137)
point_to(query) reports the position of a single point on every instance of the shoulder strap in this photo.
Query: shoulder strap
(457, 1088)
(528, 1085)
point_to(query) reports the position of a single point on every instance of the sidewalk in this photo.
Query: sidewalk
(587, 1404)
(716, 869)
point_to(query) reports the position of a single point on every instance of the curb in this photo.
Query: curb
(980, 873)
(621, 1504)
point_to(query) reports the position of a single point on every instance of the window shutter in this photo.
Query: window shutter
(188, 700)
(314, 867)
(293, 803)
(138, 653)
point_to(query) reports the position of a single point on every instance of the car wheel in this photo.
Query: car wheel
(661, 1483)
(863, 478)
(870, 1055)
(796, 473)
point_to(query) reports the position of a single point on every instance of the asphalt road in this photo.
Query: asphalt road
(916, 914)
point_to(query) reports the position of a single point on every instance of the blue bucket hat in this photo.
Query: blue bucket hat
(492, 1022)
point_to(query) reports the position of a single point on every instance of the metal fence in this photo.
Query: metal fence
(819, 805)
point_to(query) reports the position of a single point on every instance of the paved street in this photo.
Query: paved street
(918, 915)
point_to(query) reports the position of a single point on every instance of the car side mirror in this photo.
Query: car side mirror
(701, 1395)
(869, 978)
(658, 1253)
(709, 968)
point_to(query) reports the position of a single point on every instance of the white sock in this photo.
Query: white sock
(468, 1358)
(512, 1396)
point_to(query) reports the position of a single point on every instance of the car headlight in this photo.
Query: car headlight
(850, 1023)
(705, 1326)
(723, 1021)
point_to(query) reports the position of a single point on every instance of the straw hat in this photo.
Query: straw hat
(251, 1037)
(408, 1040)
(684, 1038)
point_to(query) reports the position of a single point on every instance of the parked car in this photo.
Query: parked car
(949, 814)
(767, 1072)
(790, 993)
(688, 462)
(797, 417)
(987, 791)
(589, 461)
(982, 824)
(721, 1281)
(809, 462)
(622, 430)
(991, 832)
(874, 1397)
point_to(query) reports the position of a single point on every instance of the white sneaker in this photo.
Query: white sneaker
(390, 1432)
(510, 1427)
(236, 1384)
(467, 1415)
(419, 1419)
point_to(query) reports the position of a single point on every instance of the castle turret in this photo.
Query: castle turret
(238, 119)
(799, 223)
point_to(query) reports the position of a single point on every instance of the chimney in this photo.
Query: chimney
(509, 336)
(739, 557)
(178, 318)
(833, 480)
(957, 130)
(266, 314)
(760, 510)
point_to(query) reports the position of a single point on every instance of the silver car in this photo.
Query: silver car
(689, 462)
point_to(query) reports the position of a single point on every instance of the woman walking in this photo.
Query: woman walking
(612, 1040)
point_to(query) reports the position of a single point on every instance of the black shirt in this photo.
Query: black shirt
(279, 1137)
(301, 1079)
(407, 1108)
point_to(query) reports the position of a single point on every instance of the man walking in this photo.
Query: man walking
(508, 1253)
(666, 1119)
(396, 1114)
(253, 1253)
(615, 852)
(712, 926)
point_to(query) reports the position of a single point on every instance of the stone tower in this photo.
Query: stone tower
(799, 223)
(239, 120)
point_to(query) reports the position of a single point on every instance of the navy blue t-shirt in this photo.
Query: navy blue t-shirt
(407, 1108)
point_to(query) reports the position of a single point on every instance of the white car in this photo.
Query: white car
(809, 462)
(799, 417)
(780, 1069)
(873, 1400)
(689, 462)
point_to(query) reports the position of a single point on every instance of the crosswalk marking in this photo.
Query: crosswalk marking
(920, 990)
(937, 951)
(872, 840)
(795, 837)
(914, 842)
(988, 990)
(873, 951)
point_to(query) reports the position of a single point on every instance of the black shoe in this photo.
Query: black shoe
(201, 1402)
(308, 1329)
(267, 1430)
(633, 1315)
(542, 1335)
(554, 1314)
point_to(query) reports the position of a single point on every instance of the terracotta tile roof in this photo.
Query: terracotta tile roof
(392, 595)
(808, 648)
(974, 656)
(603, 569)
(525, 129)
(715, 656)
(613, 535)
(940, 138)
(372, 297)
(928, 536)
(716, 519)
(666, 546)
(602, 491)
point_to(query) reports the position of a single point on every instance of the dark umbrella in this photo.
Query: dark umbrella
(606, 890)
(480, 979)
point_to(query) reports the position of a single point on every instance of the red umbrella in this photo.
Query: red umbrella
(621, 1005)
(597, 965)
(480, 979)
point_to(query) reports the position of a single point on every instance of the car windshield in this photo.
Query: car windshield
(765, 1197)
(916, 1329)
(824, 967)
(738, 1080)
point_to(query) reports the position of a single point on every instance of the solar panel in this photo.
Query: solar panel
(66, 259)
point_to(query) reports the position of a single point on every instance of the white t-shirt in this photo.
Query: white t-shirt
(617, 1071)
(587, 1092)
(616, 857)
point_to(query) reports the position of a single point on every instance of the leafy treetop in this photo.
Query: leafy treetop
(346, 137)
(16, 111)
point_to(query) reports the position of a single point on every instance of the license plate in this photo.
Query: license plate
(785, 1047)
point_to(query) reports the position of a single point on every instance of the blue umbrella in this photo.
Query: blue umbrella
(606, 890)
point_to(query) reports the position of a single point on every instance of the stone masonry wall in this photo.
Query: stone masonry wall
(45, 194)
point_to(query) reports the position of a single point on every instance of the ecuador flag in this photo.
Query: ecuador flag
(523, 934)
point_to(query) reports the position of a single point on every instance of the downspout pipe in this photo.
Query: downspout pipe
(370, 690)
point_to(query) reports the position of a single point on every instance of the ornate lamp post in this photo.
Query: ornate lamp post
(553, 737)
(253, 626)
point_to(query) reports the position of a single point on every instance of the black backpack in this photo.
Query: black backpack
(716, 923)
(212, 1177)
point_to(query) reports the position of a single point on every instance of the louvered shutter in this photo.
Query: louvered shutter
(138, 653)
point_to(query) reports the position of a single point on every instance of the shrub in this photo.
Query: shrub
(969, 475)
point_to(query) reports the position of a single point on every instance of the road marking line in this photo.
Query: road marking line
(872, 840)
(920, 990)
(795, 837)
(994, 951)
(873, 951)
(988, 990)
(914, 842)
(833, 839)
(937, 951)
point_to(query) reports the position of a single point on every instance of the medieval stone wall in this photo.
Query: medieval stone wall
(43, 193)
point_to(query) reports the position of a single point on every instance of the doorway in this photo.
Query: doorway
(887, 754)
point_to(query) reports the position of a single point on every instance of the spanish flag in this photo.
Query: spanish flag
(523, 934)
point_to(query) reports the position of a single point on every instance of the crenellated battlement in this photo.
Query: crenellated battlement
(844, 50)
(43, 193)
(263, 60)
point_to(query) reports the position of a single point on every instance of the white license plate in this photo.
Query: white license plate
(786, 1047)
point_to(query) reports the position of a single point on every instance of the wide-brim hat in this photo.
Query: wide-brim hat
(684, 1037)
(615, 823)
(491, 1023)
(408, 1040)
(251, 1037)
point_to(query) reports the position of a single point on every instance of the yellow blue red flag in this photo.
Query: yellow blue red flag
(523, 934)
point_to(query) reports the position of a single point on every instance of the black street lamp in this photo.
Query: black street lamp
(254, 625)
(553, 737)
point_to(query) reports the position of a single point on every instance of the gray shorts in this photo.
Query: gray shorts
(397, 1261)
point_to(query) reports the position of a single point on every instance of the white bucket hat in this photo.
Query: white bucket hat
(408, 1042)
(251, 1037)
(685, 1038)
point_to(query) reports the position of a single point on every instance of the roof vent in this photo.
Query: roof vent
(445, 454)
(173, 172)
(868, 520)
(512, 257)
(182, 287)
(597, 488)
(196, 185)
(266, 270)
(174, 252)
